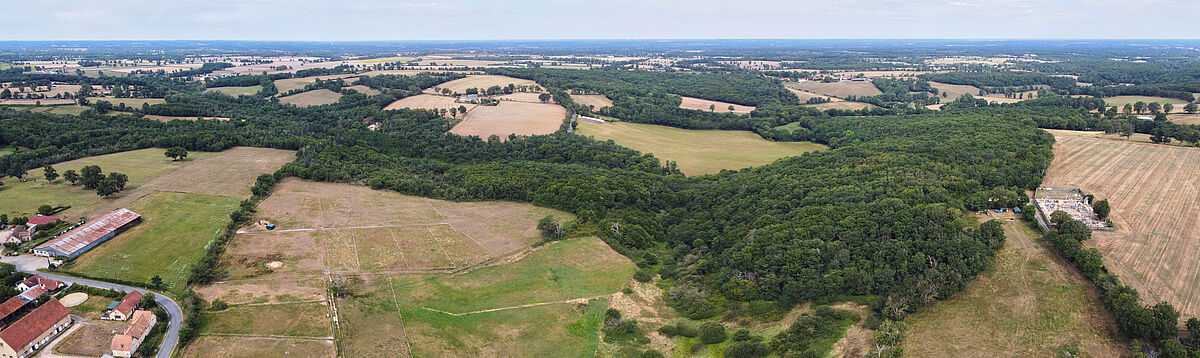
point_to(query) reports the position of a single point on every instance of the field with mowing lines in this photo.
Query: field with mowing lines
(597, 101)
(236, 91)
(1028, 303)
(697, 152)
(1121, 101)
(258, 347)
(717, 106)
(839, 89)
(483, 82)
(1153, 247)
(174, 232)
(428, 101)
(509, 117)
(312, 98)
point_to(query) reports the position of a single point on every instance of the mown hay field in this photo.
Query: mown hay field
(288, 84)
(428, 101)
(713, 106)
(839, 89)
(697, 152)
(597, 101)
(1028, 303)
(1153, 247)
(236, 91)
(483, 82)
(1121, 101)
(312, 98)
(510, 117)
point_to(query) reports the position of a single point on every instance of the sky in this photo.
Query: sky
(366, 20)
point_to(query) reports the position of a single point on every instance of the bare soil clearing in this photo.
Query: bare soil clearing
(1152, 197)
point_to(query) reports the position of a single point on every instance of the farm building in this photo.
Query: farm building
(39, 281)
(1069, 200)
(11, 306)
(33, 331)
(87, 236)
(17, 235)
(123, 345)
(125, 308)
(39, 220)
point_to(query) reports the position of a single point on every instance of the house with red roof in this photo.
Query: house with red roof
(35, 330)
(123, 345)
(11, 306)
(125, 308)
(40, 219)
(38, 280)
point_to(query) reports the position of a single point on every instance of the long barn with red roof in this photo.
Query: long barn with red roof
(89, 235)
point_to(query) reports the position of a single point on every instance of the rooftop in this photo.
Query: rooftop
(28, 328)
(9, 307)
(41, 220)
(129, 303)
(83, 235)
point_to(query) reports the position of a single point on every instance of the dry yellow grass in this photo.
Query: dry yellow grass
(529, 97)
(954, 91)
(312, 98)
(508, 117)
(840, 89)
(364, 90)
(598, 101)
(1185, 118)
(715, 106)
(171, 118)
(427, 101)
(35, 102)
(1153, 195)
(483, 82)
(844, 105)
(805, 96)
(289, 84)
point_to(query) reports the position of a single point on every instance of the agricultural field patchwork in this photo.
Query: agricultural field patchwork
(713, 106)
(1152, 246)
(312, 98)
(288, 84)
(697, 152)
(509, 117)
(1027, 304)
(428, 101)
(236, 91)
(483, 82)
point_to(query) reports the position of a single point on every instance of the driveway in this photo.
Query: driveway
(30, 264)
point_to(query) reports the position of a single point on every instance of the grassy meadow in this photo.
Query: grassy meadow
(697, 152)
(236, 91)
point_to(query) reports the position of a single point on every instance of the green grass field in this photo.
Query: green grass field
(1120, 101)
(129, 102)
(1026, 304)
(172, 236)
(23, 198)
(236, 91)
(290, 319)
(697, 152)
(6, 150)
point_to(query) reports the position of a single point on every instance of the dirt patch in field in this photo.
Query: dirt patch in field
(508, 117)
(91, 339)
(1152, 195)
(713, 106)
(312, 98)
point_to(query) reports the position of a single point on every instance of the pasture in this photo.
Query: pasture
(528, 97)
(428, 101)
(258, 347)
(697, 152)
(713, 106)
(1121, 101)
(483, 82)
(510, 117)
(288, 84)
(805, 96)
(71, 109)
(1028, 303)
(129, 102)
(301, 319)
(174, 232)
(364, 89)
(597, 101)
(228, 173)
(839, 89)
(36, 102)
(312, 98)
(1152, 246)
(236, 91)
(840, 104)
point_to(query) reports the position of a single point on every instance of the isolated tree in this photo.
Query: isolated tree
(45, 209)
(49, 173)
(712, 108)
(1101, 208)
(550, 227)
(156, 282)
(17, 171)
(454, 112)
(462, 109)
(1190, 108)
(106, 188)
(1126, 130)
(1154, 107)
(90, 176)
(731, 108)
(71, 176)
(1128, 109)
(544, 97)
(176, 153)
(1139, 107)
(1167, 108)
(118, 180)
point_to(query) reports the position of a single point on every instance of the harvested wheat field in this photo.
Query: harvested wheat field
(364, 90)
(483, 82)
(597, 101)
(507, 117)
(805, 96)
(839, 89)
(312, 98)
(289, 84)
(427, 101)
(171, 118)
(1153, 196)
(1185, 118)
(843, 105)
(714, 106)
(529, 97)
(954, 91)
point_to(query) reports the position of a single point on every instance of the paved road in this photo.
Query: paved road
(30, 264)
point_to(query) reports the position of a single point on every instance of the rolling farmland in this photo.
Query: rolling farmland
(427, 101)
(839, 89)
(511, 117)
(720, 107)
(483, 82)
(312, 98)
(1153, 247)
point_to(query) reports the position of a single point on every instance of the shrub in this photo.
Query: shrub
(219, 305)
(642, 276)
(747, 350)
(668, 330)
(686, 330)
(712, 333)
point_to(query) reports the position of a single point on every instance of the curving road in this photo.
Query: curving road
(31, 264)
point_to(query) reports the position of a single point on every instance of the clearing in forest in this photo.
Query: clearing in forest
(236, 91)
(697, 152)
(597, 101)
(713, 106)
(840, 89)
(509, 117)
(1028, 303)
(129, 102)
(483, 82)
(428, 101)
(1152, 195)
(312, 98)
(843, 105)
(228, 173)
(288, 84)
(363, 89)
